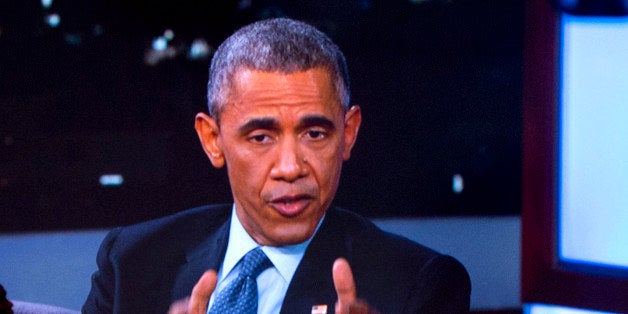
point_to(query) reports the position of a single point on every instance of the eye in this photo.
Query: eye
(259, 138)
(316, 134)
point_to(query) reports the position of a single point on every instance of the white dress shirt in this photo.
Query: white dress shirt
(273, 282)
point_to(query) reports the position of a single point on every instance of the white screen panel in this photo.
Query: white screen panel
(593, 205)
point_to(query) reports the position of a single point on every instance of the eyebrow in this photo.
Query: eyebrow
(258, 123)
(273, 124)
(316, 120)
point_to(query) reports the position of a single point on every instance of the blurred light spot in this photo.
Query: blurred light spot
(199, 49)
(153, 57)
(4, 182)
(53, 19)
(244, 4)
(46, 3)
(365, 4)
(168, 34)
(457, 183)
(97, 30)
(111, 180)
(73, 39)
(160, 43)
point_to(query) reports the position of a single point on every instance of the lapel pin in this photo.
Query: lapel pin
(319, 309)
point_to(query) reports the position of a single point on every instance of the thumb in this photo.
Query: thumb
(201, 293)
(343, 281)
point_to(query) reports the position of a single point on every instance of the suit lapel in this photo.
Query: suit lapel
(312, 283)
(207, 255)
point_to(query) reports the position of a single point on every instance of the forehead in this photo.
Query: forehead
(272, 90)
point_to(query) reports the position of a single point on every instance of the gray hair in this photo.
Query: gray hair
(275, 45)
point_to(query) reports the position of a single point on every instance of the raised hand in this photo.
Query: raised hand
(197, 302)
(348, 302)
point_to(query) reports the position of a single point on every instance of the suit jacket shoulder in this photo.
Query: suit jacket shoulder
(392, 273)
(143, 268)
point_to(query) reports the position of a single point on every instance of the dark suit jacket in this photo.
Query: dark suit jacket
(144, 268)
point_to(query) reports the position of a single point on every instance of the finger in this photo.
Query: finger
(357, 307)
(201, 293)
(343, 281)
(179, 307)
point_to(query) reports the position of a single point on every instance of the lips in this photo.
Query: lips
(290, 206)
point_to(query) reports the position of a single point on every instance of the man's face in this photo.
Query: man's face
(283, 138)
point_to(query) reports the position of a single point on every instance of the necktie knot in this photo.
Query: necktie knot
(254, 263)
(240, 296)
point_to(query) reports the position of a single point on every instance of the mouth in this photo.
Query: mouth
(291, 206)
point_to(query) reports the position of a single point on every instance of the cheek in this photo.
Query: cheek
(326, 167)
(245, 171)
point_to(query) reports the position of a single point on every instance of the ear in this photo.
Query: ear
(353, 119)
(208, 133)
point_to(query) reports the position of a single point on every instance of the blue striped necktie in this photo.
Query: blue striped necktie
(240, 296)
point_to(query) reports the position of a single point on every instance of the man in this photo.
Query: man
(281, 122)
(6, 307)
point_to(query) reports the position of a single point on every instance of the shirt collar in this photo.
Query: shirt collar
(285, 258)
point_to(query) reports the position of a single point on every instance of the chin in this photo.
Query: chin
(285, 237)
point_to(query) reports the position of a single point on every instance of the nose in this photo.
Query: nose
(290, 163)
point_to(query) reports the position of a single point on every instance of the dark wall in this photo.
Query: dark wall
(439, 83)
